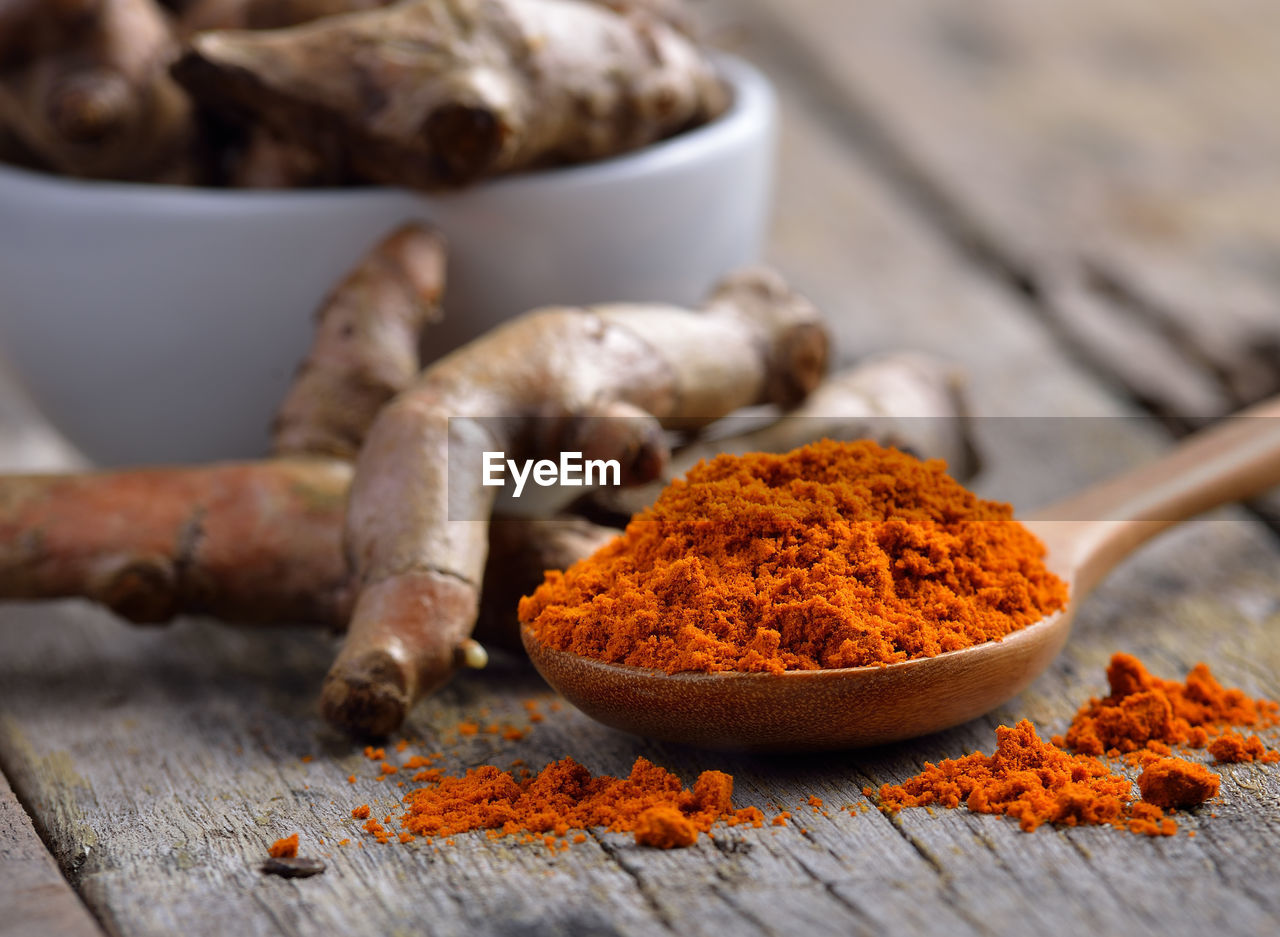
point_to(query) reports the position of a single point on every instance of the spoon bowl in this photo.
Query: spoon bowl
(813, 710)
(804, 710)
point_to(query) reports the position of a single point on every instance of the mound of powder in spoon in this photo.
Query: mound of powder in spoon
(834, 555)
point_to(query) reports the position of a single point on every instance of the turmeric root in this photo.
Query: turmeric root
(260, 161)
(265, 14)
(85, 87)
(907, 400)
(521, 550)
(365, 349)
(434, 93)
(536, 384)
(256, 541)
(247, 542)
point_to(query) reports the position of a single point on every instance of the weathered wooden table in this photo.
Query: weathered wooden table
(1080, 202)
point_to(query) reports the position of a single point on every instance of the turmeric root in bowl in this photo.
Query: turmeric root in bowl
(156, 323)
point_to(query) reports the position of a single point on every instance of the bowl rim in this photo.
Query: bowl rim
(754, 102)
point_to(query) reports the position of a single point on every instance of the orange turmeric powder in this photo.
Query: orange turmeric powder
(1031, 781)
(1145, 712)
(650, 802)
(837, 554)
(1233, 747)
(1176, 782)
(665, 827)
(284, 848)
(1142, 719)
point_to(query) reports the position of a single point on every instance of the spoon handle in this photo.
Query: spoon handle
(1236, 458)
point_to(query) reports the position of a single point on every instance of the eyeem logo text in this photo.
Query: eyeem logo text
(571, 471)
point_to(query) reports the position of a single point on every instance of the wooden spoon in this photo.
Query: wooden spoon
(811, 710)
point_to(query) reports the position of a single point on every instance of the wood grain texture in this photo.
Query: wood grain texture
(1113, 155)
(175, 755)
(35, 900)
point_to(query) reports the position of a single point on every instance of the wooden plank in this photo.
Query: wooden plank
(35, 900)
(176, 754)
(1123, 151)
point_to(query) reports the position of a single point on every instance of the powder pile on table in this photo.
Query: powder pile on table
(1142, 720)
(650, 802)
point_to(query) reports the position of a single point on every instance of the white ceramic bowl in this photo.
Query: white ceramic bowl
(162, 324)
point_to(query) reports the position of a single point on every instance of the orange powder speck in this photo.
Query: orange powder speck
(374, 754)
(428, 774)
(468, 728)
(361, 812)
(782, 818)
(555, 706)
(388, 768)
(1143, 711)
(1031, 781)
(839, 554)
(815, 802)
(1233, 747)
(512, 734)
(402, 745)
(536, 717)
(665, 827)
(418, 761)
(285, 848)
(351, 779)
(580, 838)
(492, 729)
(306, 759)
(407, 837)
(1176, 782)
(343, 842)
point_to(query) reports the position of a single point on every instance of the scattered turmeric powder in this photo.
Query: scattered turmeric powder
(1233, 747)
(285, 848)
(361, 812)
(650, 803)
(838, 554)
(377, 830)
(1145, 712)
(1176, 782)
(1142, 719)
(1031, 781)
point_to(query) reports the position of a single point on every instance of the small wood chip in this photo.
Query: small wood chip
(293, 867)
